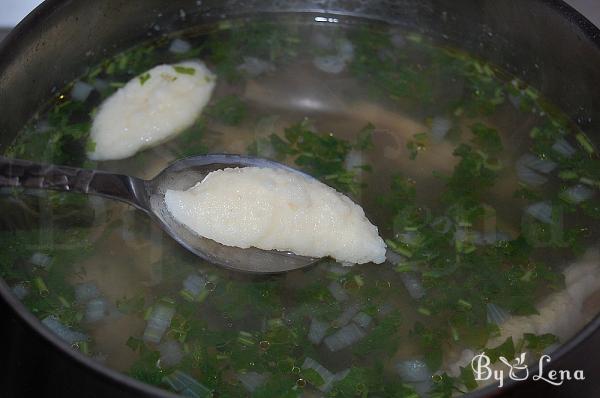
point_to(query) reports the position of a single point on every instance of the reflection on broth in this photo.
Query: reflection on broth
(486, 196)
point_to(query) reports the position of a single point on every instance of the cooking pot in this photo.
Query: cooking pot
(543, 42)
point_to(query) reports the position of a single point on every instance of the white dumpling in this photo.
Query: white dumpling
(277, 209)
(150, 109)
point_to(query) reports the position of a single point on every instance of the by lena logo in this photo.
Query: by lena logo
(518, 370)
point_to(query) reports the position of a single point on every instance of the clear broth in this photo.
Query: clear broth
(387, 108)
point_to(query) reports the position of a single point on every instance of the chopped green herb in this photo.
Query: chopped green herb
(468, 378)
(184, 70)
(506, 350)
(383, 339)
(320, 154)
(538, 343)
(144, 78)
(313, 377)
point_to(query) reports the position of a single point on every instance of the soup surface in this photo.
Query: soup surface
(485, 193)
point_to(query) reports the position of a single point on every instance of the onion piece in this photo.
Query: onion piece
(562, 147)
(332, 64)
(255, 67)
(530, 177)
(158, 323)
(493, 237)
(347, 315)
(65, 333)
(535, 163)
(101, 85)
(394, 257)
(343, 338)
(337, 291)
(496, 314)
(41, 260)
(384, 310)
(179, 46)
(20, 291)
(252, 380)
(85, 292)
(326, 375)
(354, 159)
(81, 91)
(411, 238)
(345, 49)
(171, 353)
(362, 319)
(541, 211)
(529, 166)
(465, 235)
(413, 371)
(317, 331)
(336, 62)
(412, 284)
(186, 385)
(193, 286)
(440, 126)
(96, 309)
(577, 194)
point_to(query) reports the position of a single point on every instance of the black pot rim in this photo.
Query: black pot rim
(590, 31)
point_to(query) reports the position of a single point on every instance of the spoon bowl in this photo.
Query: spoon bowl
(148, 196)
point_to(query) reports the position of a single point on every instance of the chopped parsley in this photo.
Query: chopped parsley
(321, 155)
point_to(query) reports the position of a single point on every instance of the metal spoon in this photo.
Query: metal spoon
(148, 196)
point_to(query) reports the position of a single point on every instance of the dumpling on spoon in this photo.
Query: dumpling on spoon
(150, 109)
(274, 209)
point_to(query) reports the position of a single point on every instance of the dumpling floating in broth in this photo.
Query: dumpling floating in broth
(150, 109)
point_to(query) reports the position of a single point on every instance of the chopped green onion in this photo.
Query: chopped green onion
(567, 175)
(424, 311)
(202, 296)
(187, 295)
(83, 347)
(144, 78)
(465, 304)
(454, 333)
(64, 302)
(184, 70)
(41, 287)
(359, 280)
(585, 143)
(589, 181)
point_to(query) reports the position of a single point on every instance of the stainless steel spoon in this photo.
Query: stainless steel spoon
(148, 196)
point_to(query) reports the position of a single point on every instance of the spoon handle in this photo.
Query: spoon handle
(26, 174)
